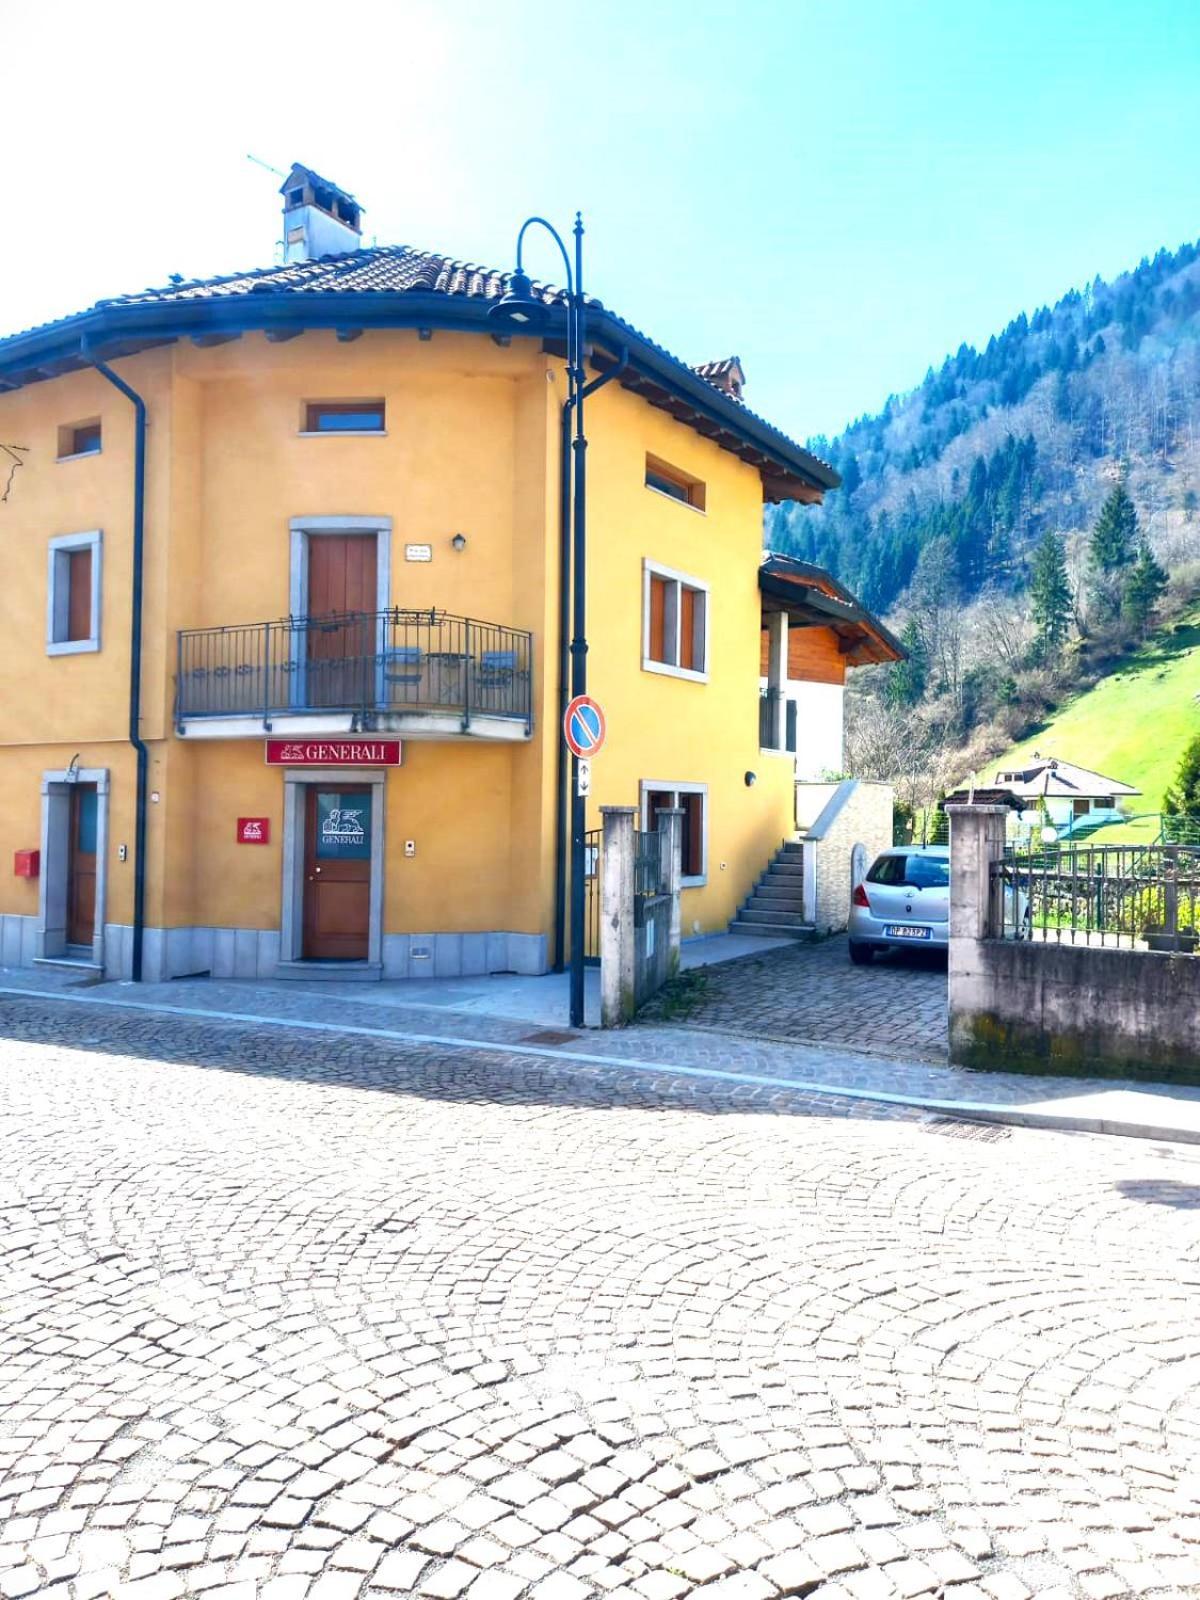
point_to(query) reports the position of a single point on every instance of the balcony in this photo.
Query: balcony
(420, 674)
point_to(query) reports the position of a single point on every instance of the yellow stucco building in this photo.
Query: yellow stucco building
(328, 497)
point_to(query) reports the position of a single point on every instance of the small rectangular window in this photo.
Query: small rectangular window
(73, 600)
(675, 633)
(79, 439)
(691, 801)
(344, 416)
(669, 480)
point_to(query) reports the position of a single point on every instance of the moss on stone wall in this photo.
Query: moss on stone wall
(986, 1042)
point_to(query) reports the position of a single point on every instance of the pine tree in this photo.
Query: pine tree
(1114, 545)
(1062, 397)
(1050, 596)
(1115, 536)
(1144, 588)
(907, 679)
(1182, 799)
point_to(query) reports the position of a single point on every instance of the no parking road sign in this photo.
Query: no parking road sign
(584, 727)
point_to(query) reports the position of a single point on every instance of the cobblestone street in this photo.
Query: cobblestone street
(895, 1006)
(315, 1317)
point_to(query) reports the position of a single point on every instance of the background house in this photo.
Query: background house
(1075, 800)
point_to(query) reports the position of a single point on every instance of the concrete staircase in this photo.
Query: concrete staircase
(775, 906)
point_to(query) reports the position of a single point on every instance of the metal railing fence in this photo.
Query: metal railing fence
(647, 863)
(1132, 896)
(1180, 830)
(591, 895)
(362, 662)
(651, 914)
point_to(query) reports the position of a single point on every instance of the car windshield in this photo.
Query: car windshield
(918, 872)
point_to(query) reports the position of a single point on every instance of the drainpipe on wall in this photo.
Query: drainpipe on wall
(564, 629)
(135, 655)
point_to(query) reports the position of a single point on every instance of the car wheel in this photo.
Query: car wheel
(860, 954)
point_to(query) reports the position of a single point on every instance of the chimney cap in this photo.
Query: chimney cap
(300, 175)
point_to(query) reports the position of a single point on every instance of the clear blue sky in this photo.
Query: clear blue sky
(840, 194)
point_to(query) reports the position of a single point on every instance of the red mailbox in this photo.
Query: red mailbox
(27, 863)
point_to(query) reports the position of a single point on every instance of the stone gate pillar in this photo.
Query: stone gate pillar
(616, 916)
(976, 841)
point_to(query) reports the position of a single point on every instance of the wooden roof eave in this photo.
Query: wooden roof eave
(778, 484)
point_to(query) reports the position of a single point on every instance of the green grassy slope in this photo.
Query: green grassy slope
(1132, 725)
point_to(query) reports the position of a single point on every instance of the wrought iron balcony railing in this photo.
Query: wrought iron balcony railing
(364, 663)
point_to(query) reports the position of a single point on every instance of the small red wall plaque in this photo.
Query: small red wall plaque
(254, 830)
(360, 752)
(27, 863)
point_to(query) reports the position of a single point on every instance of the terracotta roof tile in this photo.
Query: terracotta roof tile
(398, 269)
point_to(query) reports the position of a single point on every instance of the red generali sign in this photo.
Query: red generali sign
(333, 752)
(254, 830)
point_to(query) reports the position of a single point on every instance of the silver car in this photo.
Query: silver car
(903, 901)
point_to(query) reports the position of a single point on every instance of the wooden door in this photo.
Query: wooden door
(337, 872)
(342, 598)
(81, 864)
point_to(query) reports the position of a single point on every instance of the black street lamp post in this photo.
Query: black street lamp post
(517, 308)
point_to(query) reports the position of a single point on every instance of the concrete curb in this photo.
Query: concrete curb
(969, 1111)
(1053, 1121)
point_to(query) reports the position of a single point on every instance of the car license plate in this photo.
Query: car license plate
(906, 930)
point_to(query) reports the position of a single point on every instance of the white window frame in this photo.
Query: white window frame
(654, 569)
(305, 432)
(649, 786)
(58, 597)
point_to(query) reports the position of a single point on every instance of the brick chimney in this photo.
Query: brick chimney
(726, 375)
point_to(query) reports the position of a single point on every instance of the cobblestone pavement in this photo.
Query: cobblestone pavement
(312, 1318)
(895, 1006)
(385, 1011)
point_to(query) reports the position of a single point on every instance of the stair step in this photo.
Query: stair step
(776, 930)
(750, 914)
(785, 888)
(775, 902)
(785, 869)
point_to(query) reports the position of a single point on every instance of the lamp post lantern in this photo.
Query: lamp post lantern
(518, 309)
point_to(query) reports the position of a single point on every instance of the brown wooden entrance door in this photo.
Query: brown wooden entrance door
(337, 872)
(342, 598)
(81, 864)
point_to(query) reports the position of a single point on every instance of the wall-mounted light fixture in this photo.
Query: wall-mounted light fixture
(459, 542)
(72, 773)
(750, 779)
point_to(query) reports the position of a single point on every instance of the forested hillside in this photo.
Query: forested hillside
(1025, 519)
(996, 445)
